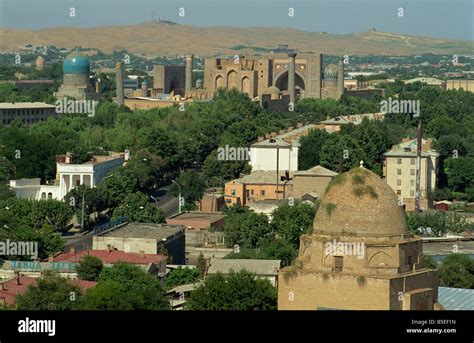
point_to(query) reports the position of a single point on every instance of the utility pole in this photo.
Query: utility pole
(419, 144)
(82, 216)
(179, 195)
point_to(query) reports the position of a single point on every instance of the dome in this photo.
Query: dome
(272, 90)
(359, 203)
(39, 60)
(330, 72)
(76, 63)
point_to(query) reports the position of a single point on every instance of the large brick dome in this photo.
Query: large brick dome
(359, 203)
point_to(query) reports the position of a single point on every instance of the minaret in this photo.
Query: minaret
(340, 78)
(319, 75)
(291, 76)
(119, 83)
(189, 72)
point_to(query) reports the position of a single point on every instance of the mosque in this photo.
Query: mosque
(76, 79)
(360, 254)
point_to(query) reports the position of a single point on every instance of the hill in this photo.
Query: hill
(151, 39)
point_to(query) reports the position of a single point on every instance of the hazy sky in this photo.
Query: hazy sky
(433, 18)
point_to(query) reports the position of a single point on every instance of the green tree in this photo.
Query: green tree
(51, 292)
(457, 270)
(139, 284)
(193, 185)
(240, 291)
(201, 264)
(111, 295)
(309, 152)
(181, 276)
(341, 149)
(89, 268)
(137, 208)
(246, 228)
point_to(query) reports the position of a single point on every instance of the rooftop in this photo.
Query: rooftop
(456, 298)
(142, 230)
(111, 257)
(23, 105)
(408, 148)
(316, 171)
(289, 138)
(11, 287)
(258, 267)
(265, 177)
(211, 216)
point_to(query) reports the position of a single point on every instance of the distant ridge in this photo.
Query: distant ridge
(152, 39)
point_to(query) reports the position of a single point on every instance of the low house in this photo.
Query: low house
(9, 289)
(312, 181)
(144, 238)
(152, 263)
(266, 269)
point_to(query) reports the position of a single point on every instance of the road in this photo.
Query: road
(168, 204)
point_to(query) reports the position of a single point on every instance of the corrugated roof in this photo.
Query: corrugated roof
(318, 171)
(22, 105)
(265, 177)
(111, 257)
(456, 298)
(258, 267)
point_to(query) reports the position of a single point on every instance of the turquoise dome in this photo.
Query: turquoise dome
(76, 63)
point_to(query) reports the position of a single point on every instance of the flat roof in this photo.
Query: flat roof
(212, 216)
(22, 105)
(258, 267)
(265, 177)
(144, 230)
(446, 248)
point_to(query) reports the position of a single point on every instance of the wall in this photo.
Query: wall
(303, 184)
(263, 158)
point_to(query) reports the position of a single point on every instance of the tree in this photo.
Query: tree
(193, 185)
(460, 172)
(341, 149)
(111, 295)
(238, 291)
(145, 290)
(181, 276)
(51, 292)
(89, 268)
(290, 222)
(201, 264)
(246, 228)
(309, 152)
(457, 270)
(137, 208)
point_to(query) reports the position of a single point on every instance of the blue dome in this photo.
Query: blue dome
(76, 63)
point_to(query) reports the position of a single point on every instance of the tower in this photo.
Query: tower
(189, 72)
(291, 75)
(340, 79)
(119, 83)
(39, 63)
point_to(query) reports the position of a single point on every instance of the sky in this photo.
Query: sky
(431, 18)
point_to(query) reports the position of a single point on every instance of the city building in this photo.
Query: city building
(313, 181)
(9, 289)
(334, 124)
(39, 63)
(430, 81)
(265, 269)
(282, 72)
(76, 79)
(27, 112)
(212, 200)
(154, 264)
(399, 171)
(456, 299)
(144, 239)
(360, 255)
(467, 85)
(68, 176)
(278, 151)
(259, 185)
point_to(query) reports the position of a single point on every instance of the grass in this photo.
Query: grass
(329, 207)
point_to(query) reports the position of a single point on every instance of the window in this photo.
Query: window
(412, 193)
(399, 161)
(412, 183)
(399, 192)
(233, 192)
(43, 195)
(262, 192)
(399, 172)
(50, 195)
(399, 182)
(412, 171)
(251, 191)
(412, 161)
(337, 264)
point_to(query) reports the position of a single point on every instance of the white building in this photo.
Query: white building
(279, 152)
(68, 176)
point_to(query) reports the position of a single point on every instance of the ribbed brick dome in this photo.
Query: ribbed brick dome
(359, 203)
